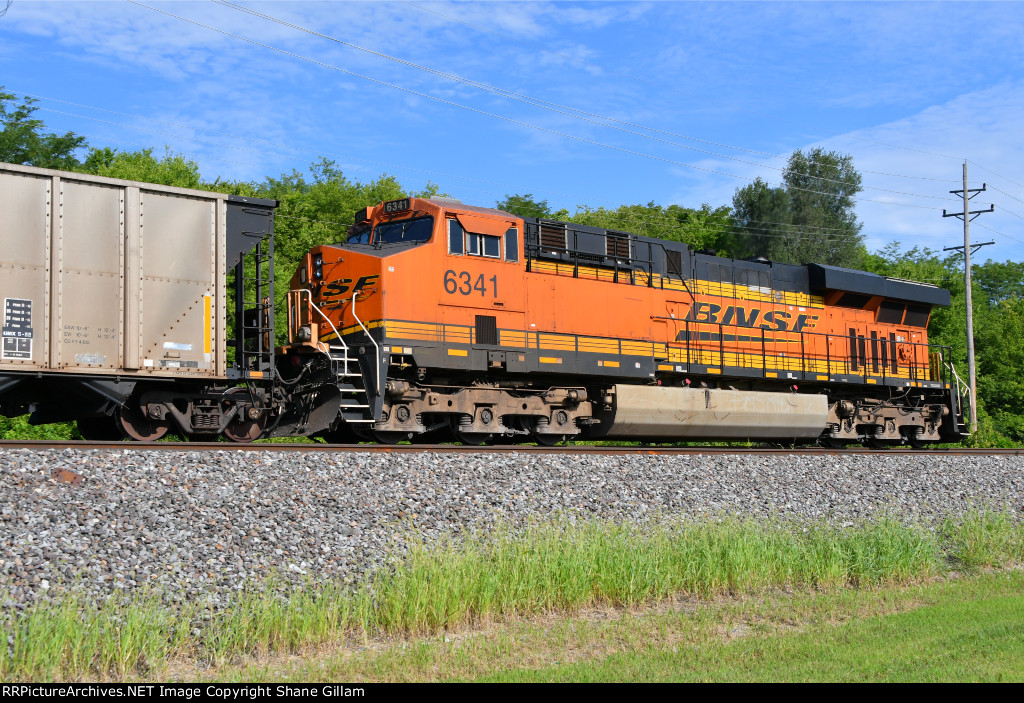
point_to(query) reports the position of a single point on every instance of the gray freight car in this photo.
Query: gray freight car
(117, 312)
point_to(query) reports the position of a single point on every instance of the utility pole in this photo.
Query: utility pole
(966, 216)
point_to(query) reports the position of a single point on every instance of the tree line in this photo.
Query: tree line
(808, 217)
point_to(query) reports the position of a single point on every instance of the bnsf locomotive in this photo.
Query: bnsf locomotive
(434, 320)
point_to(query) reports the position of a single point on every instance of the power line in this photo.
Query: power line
(257, 139)
(569, 111)
(995, 231)
(257, 151)
(996, 174)
(1005, 193)
(662, 86)
(790, 230)
(496, 116)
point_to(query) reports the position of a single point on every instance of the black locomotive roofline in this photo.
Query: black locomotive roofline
(825, 278)
(670, 258)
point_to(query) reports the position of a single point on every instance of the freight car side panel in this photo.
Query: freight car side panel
(103, 276)
(177, 266)
(88, 255)
(24, 270)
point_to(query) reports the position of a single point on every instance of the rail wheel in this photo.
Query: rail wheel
(342, 434)
(544, 439)
(133, 424)
(547, 440)
(102, 428)
(389, 437)
(914, 438)
(438, 435)
(243, 428)
(832, 442)
(876, 443)
(474, 439)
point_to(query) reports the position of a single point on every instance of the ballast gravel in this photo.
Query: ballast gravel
(197, 526)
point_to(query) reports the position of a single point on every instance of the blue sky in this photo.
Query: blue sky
(704, 97)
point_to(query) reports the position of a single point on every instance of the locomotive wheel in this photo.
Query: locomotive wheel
(875, 443)
(389, 437)
(473, 439)
(342, 434)
(914, 439)
(99, 429)
(832, 443)
(547, 440)
(242, 429)
(136, 426)
(440, 435)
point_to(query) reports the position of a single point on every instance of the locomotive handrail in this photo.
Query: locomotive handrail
(376, 346)
(805, 363)
(313, 305)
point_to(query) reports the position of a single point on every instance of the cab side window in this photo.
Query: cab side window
(512, 244)
(483, 245)
(488, 246)
(456, 237)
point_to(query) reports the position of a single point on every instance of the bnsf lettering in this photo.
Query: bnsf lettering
(339, 288)
(739, 316)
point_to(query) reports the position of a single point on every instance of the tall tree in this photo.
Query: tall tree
(23, 141)
(524, 206)
(809, 218)
(703, 228)
(170, 170)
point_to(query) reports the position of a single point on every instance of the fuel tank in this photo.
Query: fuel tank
(680, 413)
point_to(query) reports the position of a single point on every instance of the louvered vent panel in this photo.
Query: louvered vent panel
(552, 236)
(617, 247)
(675, 263)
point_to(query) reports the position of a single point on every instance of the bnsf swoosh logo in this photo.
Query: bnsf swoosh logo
(742, 317)
(336, 289)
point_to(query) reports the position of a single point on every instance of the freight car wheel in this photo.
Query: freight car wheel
(134, 425)
(244, 429)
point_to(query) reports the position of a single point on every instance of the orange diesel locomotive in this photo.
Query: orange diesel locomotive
(436, 319)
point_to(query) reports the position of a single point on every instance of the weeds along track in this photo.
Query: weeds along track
(196, 524)
(651, 449)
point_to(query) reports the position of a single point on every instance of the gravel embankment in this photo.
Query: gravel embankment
(200, 524)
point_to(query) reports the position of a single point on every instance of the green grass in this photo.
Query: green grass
(970, 634)
(555, 567)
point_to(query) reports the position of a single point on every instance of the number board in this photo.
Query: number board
(392, 206)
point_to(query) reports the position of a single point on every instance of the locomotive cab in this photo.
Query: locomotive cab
(408, 269)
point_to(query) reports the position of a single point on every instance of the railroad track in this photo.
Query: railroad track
(488, 449)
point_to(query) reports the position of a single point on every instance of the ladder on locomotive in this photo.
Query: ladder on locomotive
(348, 375)
(346, 370)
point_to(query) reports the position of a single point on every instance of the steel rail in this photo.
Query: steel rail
(490, 449)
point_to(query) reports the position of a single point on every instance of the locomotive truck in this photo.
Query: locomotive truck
(137, 310)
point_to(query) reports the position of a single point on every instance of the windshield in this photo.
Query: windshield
(414, 230)
(359, 234)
